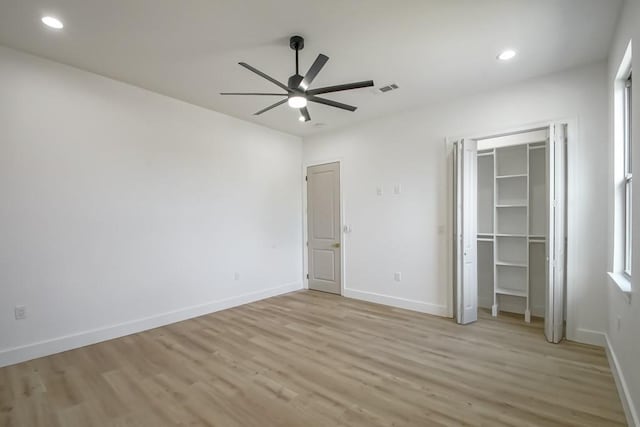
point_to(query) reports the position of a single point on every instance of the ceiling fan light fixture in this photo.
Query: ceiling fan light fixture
(297, 101)
(302, 119)
(52, 22)
(507, 55)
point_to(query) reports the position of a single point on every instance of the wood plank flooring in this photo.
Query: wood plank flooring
(314, 359)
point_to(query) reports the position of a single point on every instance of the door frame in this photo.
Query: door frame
(305, 230)
(572, 266)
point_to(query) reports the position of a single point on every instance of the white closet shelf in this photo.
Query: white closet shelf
(512, 264)
(519, 175)
(512, 292)
(484, 239)
(511, 235)
(512, 205)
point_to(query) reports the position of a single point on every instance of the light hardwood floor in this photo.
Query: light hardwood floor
(314, 359)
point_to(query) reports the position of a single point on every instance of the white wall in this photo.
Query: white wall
(406, 232)
(624, 343)
(122, 209)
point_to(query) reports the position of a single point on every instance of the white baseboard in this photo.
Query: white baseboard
(587, 336)
(409, 304)
(627, 404)
(68, 342)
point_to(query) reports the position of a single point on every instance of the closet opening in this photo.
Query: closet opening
(509, 239)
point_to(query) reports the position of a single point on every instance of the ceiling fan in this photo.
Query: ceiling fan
(297, 90)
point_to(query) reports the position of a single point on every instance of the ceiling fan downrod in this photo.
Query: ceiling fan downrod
(296, 43)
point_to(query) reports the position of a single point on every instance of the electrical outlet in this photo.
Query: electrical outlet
(397, 276)
(379, 191)
(397, 189)
(236, 276)
(20, 312)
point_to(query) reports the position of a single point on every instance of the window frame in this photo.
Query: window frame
(628, 176)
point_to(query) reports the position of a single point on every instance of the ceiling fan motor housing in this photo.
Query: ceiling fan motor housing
(294, 82)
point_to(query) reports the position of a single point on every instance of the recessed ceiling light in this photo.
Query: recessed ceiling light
(507, 55)
(52, 22)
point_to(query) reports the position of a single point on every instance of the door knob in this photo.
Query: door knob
(336, 245)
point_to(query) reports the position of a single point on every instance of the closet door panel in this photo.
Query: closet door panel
(466, 229)
(555, 247)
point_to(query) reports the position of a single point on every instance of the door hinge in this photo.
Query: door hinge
(306, 178)
(307, 275)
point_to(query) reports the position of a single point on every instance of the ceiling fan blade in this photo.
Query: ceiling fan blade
(338, 88)
(332, 103)
(270, 107)
(248, 93)
(313, 71)
(264, 76)
(305, 113)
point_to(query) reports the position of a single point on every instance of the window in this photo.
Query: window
(622, 220)
(628, 192)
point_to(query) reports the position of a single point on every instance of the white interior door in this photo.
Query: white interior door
(465, 234)
(555, 247)
(323, 220)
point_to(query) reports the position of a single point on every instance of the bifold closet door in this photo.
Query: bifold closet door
(465, 234)
(555, 233)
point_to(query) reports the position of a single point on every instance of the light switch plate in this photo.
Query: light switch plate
(379, 191)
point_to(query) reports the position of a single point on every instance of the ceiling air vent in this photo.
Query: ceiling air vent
(388, 88)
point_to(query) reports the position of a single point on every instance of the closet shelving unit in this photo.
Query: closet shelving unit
(507, 219)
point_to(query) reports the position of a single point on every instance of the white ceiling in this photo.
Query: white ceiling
(433, 49)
